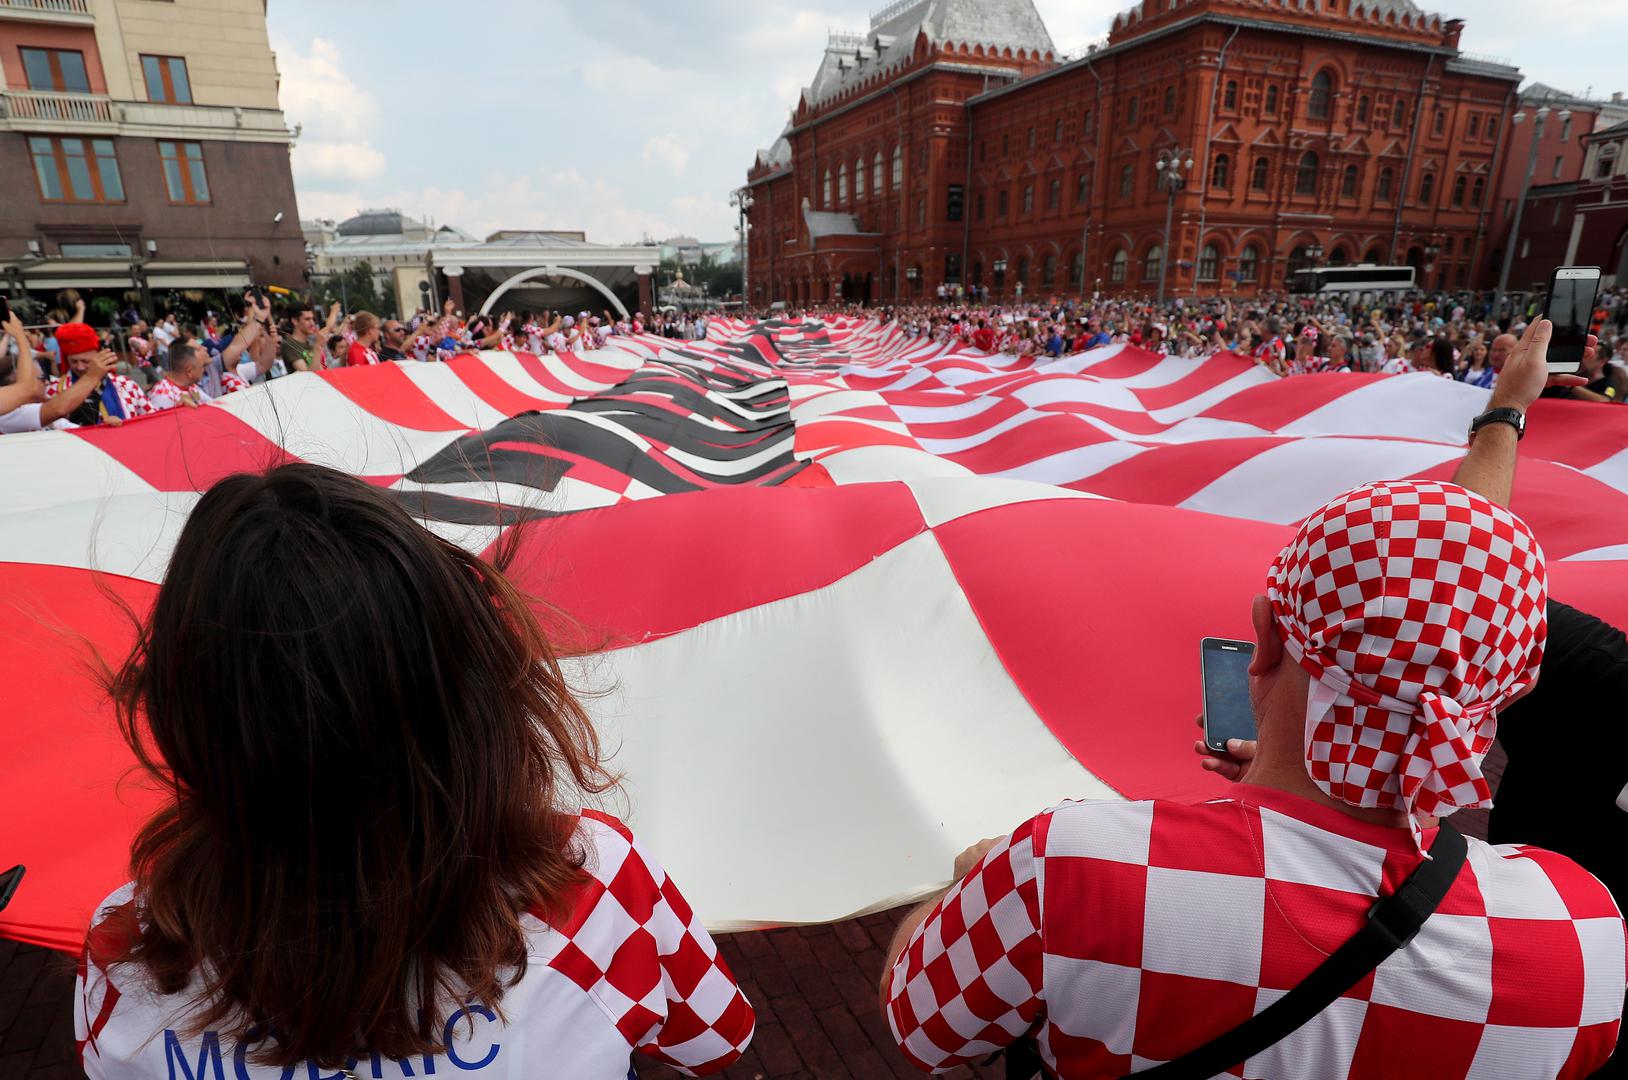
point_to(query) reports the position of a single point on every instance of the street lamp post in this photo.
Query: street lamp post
(1170, 165)
(1539, 117)
(742, 201)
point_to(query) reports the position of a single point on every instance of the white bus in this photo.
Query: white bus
(1358, 279)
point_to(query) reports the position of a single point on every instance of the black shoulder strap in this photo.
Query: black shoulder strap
(1391, 924)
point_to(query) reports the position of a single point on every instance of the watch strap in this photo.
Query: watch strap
(1513, 417)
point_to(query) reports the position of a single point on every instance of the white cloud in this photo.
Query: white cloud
(338, 160)
(666, 150)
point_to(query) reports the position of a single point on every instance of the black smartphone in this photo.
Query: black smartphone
(1227, 711)
(1570, 307)
(5, 309)
(8, 884)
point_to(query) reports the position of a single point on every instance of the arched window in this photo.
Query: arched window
(1427, 188)
(876, 173)
(842, 184)
(1221, 172)
(1322, 93)
(1339, 257)
(1023, 270)
(1271, 107)
(1229, 97)
(1257, 178)
(1362, 109)
(1459, 184)
(1209, 260)
(1048, 272)
(1152, 263)
(859, 178)
(1116, 267)
(898, 166)
(1348, 182)
(1374, 257)
(1054, 194)
(1086, 122)
(1082, 188)
(1170, 99)
(1248, 263)
(1028, 199)
(825, 197)
(1305, 177)
(1387, 181)
(1127, 181)
(1076, 269)
(1399, 115)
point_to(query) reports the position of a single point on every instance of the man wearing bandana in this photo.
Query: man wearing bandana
(115, 398)
(1120, 935)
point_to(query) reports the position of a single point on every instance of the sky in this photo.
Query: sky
(633, 118)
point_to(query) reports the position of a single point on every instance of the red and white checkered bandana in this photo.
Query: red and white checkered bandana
(1418, 608)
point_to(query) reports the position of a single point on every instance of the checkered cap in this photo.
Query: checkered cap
(1417, 607)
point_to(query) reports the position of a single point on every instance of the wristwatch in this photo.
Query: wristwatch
(1513, 417)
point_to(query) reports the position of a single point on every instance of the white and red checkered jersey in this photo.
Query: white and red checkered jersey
(131, 396)
(1125, 934)
(166, 395)
(632, 968)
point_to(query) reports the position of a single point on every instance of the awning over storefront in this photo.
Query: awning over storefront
(120, 273)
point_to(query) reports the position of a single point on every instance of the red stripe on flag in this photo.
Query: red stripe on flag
(187, 449)
(386, 391)
(1169, 475)
(494, 389)
(1283, 401)
(1207, 376)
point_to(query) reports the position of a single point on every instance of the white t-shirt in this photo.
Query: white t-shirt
(27, 418)
(631, 968)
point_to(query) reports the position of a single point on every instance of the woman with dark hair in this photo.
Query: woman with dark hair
(368, 854)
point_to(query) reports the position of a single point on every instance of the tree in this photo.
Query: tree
(719, 279)
(357, 289)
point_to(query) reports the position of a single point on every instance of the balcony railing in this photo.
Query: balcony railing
(50, 106)
(47, 10)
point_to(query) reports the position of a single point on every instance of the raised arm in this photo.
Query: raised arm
(25, 386)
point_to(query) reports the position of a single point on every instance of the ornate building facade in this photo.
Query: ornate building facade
(949, 144)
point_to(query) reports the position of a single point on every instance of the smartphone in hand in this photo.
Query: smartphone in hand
(1570, 307)
(1228, 713)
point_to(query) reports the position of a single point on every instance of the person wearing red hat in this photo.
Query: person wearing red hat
(112, 399)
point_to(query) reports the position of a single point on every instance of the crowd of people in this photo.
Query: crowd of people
(138, 367)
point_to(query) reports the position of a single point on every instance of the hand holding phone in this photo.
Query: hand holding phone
(1570, 307)
(1228, 712)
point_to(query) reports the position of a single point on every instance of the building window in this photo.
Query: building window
(1085, 124)
(842, 184)
(1387, 180)
(1048, 271)
(1348, 182)
(1028, 199)
(1565, 129)
(859, 178)
(1023, 270)
(1057, 130)
(1492, 128)
(921, 213)
(62, 70)
(983, 150)
(1427, 188)
(1475, 126)
(1602, 171)
(1248, 263)
(1000, 203)
(1440, 123)
(1031, 138)
(1153, 263)
(1082, 188)
(1305, 179)
(1221, 172)
(184, 174)
(1209, 260)
(1271, 106)
(1362, 109)
(1229, 96)
(1257, 178)
(1399, 115)
(1054, 194)
(76, 170)
(978, 206)
(1116, 267)
(1130, 112)
(1459, 184)
(876, 173)
(1076, 269)
(167, 80)
(1322, 93)
(1478, 191)
(898, 166)
(1127, 181)
(1560, 164)
(1006, 144)
(825, 192)
(1169, 99)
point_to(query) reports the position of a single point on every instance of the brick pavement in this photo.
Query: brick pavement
(813, 988)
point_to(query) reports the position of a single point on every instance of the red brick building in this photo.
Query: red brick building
(1582, 222)
(949, 144)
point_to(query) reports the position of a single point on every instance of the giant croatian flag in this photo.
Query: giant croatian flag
(856, 599)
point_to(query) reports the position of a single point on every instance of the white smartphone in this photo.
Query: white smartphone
(1570, 307)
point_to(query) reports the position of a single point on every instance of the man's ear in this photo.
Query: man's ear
(1268, 645)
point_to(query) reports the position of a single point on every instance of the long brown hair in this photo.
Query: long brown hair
(367, 742)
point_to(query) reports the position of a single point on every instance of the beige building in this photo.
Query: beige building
(147, 148)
